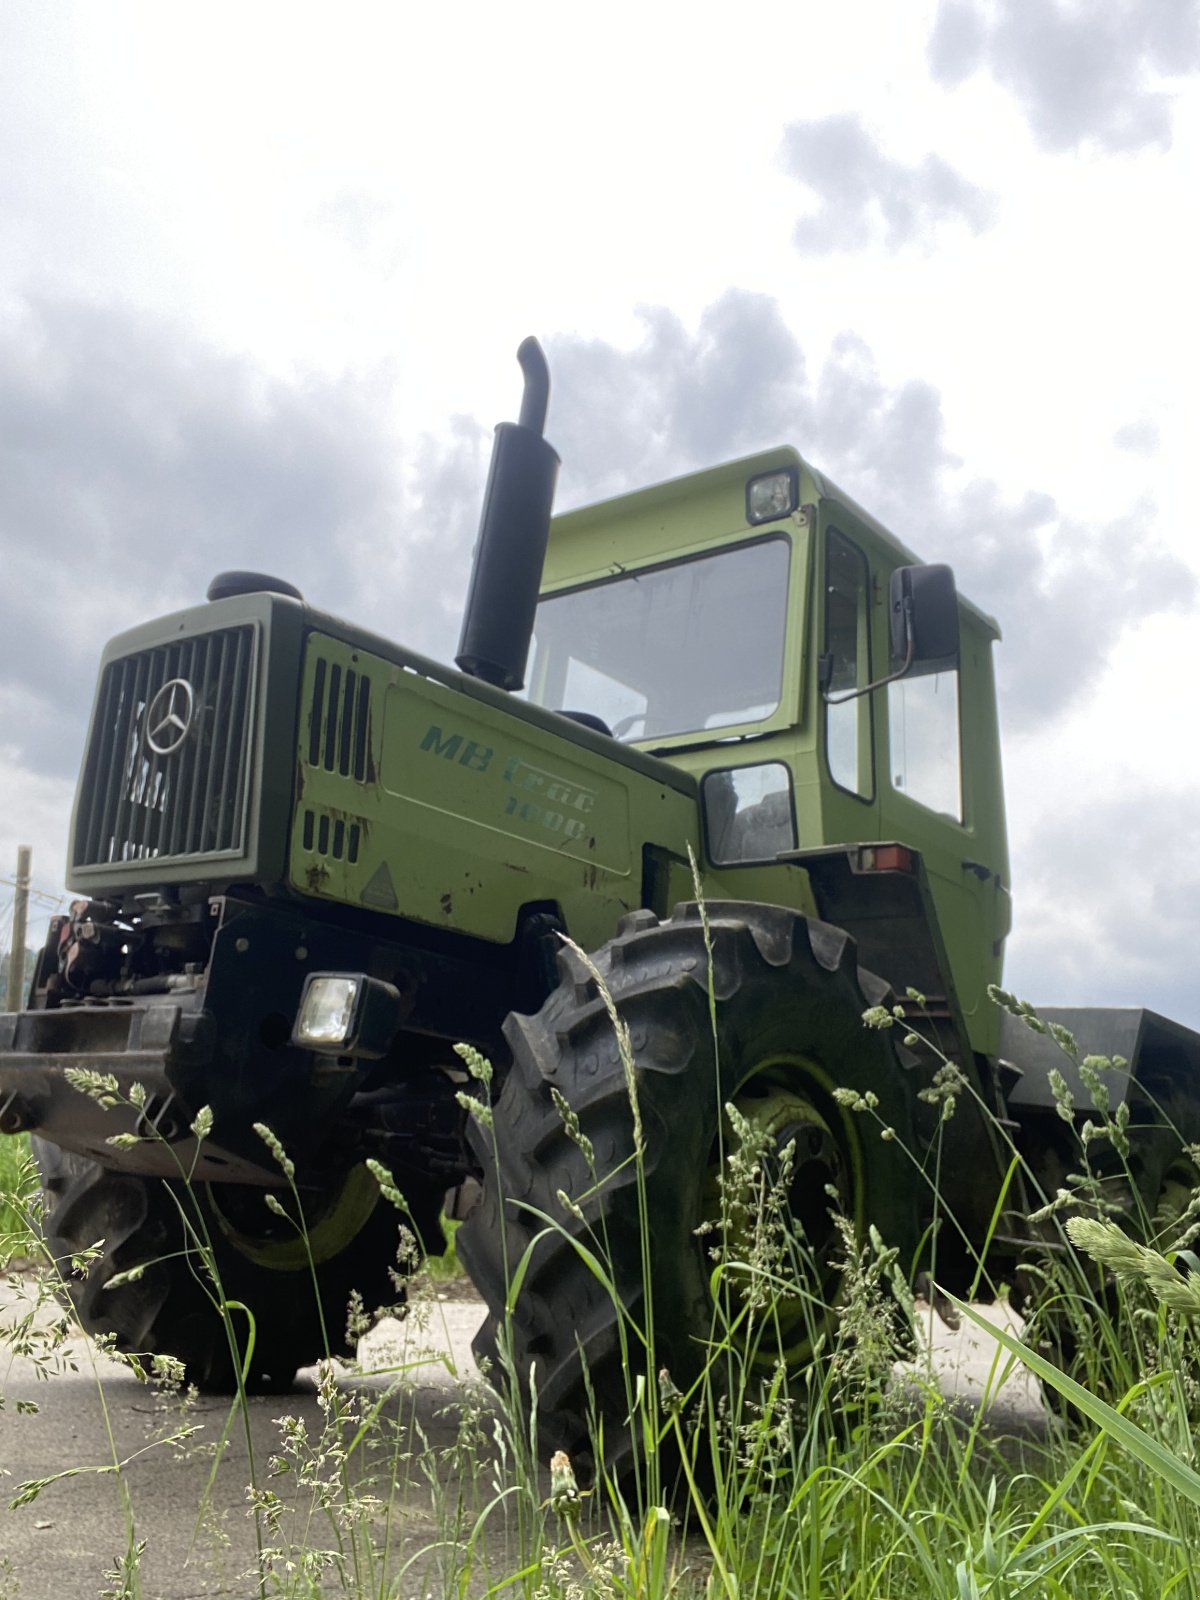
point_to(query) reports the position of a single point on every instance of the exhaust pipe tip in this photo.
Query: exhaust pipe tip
(535, 401)
(513, 532)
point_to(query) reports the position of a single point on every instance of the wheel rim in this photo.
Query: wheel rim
(784, 1102)
(325, 1236)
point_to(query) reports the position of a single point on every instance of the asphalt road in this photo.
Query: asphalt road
(190, 1508)
(188, 1501)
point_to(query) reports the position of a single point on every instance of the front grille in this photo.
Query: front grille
(138, 803)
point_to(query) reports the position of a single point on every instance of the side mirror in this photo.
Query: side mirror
(923, 630)
(923, 619)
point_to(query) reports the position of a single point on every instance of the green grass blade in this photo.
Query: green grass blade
(1126, 1433)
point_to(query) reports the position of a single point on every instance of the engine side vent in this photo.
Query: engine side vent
(331, 836)
(167, 770)
(339, 722)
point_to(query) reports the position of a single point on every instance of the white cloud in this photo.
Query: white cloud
(1085, 74)
(35, 809)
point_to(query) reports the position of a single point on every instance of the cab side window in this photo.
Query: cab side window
(924, 740)
(846, 666)
(748, 813)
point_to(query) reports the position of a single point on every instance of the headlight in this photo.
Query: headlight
(772, 495)
(347, 1014)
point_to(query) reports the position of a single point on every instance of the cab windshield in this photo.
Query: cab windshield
(667, 650)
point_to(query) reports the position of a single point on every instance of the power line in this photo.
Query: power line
(36, 894)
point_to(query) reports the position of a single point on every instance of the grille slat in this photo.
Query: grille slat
(210, 777)
(361, 727)
(132, 709)
(154, 797)
(170, 819)
(195, 776)
(104, 758)
(139, 805)
(226, 821)
(241, 711)
(347, 723)
(331, 715)
(316, 714)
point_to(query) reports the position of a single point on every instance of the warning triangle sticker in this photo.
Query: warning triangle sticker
(380, 891)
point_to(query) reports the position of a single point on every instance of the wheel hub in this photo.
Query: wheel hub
(817, 1168)
(792, 1139)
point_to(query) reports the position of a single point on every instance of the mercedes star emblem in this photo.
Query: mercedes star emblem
(169, 716)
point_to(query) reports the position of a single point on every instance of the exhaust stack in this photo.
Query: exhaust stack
(513, 530)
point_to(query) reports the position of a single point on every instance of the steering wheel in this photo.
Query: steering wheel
(620, 729)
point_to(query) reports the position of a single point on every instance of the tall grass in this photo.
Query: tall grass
(838, 1479)
(14, 1152)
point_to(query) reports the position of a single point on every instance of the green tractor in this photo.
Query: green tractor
(754, 780)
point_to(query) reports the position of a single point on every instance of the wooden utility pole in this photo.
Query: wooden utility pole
(16, 953)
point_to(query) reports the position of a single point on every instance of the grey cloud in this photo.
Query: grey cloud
(624, 418)
(1083, 73)
(1135, 940)
(864, 195)
(1060, 589)
(887, 442)
(1139, 437)
(676, 402)
(135, 463)
(1061, 612)
(957, 43)
(419, 594)
(1048, 579)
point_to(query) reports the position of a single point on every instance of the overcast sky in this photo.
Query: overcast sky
(263, 270)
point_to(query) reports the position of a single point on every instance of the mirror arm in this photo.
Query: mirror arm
(880, 683)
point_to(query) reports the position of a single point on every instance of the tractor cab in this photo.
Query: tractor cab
(754, 626)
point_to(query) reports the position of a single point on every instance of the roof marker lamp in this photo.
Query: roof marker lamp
(347, 1014)
(772, 495)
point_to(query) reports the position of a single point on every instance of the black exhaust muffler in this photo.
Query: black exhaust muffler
(513, 530)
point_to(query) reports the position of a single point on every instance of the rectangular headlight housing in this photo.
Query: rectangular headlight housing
(772, 495)
(347, 1014)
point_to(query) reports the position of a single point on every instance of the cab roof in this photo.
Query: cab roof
(693, 511)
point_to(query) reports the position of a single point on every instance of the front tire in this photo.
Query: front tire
(124, 1222)
(784, 1033)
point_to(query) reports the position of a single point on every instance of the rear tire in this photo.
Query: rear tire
(168, 1308)
(788, 1030)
